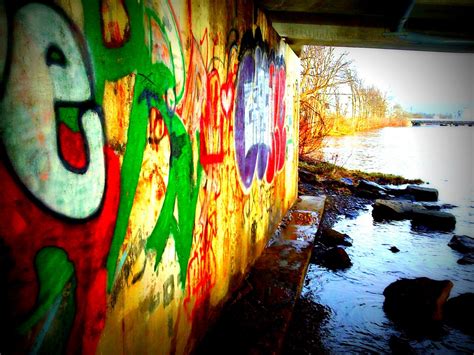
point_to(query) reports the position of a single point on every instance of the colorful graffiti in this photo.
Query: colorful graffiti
(215, 130)
(130, 138)
(158, 64)
(62, 206)
(44, 162)
(260, 110)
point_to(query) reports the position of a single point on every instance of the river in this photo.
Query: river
(443, 158)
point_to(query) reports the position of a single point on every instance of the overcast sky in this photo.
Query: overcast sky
(427, 82)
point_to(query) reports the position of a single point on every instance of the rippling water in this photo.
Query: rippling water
(442, 156)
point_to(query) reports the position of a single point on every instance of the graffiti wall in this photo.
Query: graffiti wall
(148, 152)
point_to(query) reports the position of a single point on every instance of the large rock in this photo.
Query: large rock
(335, 258)
(416, 301)
(332, 238)
(459, 312)
(393, 209)
(434, 219)
(370, 190)
(404, 209)
(370, 195)
(422, 193)
(370, 186)
(395, 191)
(347, 181)
(319, 250)
(306, 176)
(462, 243)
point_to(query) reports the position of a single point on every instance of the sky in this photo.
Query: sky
(429, 82)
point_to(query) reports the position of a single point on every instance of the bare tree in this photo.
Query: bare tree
(322, 73)
(326, 78)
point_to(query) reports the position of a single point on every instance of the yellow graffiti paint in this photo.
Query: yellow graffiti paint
(164, 76)
(117, 103)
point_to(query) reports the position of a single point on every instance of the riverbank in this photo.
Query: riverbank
(336, 182)
(342, 311)
(353, 298)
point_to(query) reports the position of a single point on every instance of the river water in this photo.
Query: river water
(442, 157)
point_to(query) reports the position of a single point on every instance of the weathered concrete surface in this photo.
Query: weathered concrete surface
(440, 25)
(142, 193)
(256, 320)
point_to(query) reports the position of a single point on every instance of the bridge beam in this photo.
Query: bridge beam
(431, 25)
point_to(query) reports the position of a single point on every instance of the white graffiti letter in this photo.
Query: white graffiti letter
(48, 69)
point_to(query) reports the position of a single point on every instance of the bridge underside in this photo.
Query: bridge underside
(431, 25)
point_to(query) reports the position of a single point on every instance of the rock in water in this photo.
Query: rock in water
(434, 219)
(370, 186)
(467, 259)
(370, 190)
(332, 238)
(306, 176)
(416, 301)
(319, 250)
(336, 258)
(462, 243)
(422, 193)
(393, 209)
(347, 181)
(370, 195)
(459, 312)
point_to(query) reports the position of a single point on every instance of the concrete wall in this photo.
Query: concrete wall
(148, 152)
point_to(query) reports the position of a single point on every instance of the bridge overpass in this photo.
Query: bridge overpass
(431, 25)
(439, 122)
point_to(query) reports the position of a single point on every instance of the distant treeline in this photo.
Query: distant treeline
(430, 115)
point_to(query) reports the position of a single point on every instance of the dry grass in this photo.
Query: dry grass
(327, 171)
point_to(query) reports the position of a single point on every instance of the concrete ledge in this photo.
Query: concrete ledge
(257, 319)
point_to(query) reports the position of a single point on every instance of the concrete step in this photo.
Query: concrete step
(256, 320)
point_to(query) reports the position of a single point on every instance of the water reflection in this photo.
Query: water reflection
(439, 155)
